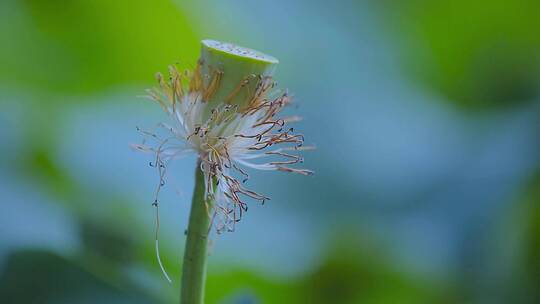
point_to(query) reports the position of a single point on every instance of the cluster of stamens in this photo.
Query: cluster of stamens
(227, 137)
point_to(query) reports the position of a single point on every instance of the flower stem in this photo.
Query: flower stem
(194, 267)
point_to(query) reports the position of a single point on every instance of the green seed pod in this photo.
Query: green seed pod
(233, 74)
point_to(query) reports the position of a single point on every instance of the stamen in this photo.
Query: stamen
(196, 83)
(213, 86)
(299, 171)
(237, 90)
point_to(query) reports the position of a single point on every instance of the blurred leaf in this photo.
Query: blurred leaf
(354, 273)
(508, 270)
(350, 273)
(234, 286)
(530, 265)
(477, 53)
(82, 46)
(108, 241)
(42, 277)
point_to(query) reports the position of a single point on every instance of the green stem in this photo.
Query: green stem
(236, 65)
(194, 267)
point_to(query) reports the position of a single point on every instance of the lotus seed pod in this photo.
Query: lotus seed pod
(233, 73)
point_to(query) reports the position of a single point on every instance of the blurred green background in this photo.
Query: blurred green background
(425, 114)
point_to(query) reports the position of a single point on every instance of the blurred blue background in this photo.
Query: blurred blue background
(425, 114)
